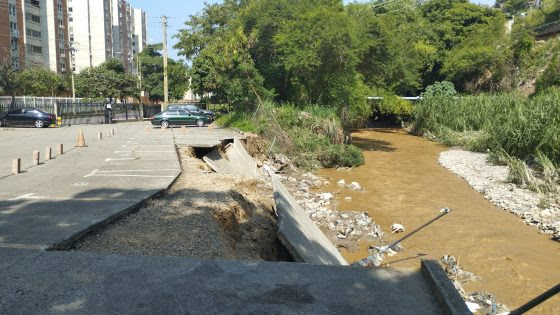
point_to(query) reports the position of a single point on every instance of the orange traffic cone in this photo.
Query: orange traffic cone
(81, 141)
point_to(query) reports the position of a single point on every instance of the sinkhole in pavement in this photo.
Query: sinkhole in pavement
(202, 215)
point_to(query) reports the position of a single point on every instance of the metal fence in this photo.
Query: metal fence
(49, 108)
(31, 101)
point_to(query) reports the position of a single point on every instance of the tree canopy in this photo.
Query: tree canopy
(316, 51)
(151, 67)
(108, 80)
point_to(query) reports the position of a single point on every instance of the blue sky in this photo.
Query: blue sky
(178, 11)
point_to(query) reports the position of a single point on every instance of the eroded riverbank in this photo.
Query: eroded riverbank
(403, 183)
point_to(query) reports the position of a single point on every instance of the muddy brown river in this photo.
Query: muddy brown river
(403, 183)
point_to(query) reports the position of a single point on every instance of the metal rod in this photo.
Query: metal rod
(386, 248)
(536, 301)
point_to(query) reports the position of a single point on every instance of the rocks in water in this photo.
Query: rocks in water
(397, 228)
(341, 182)
(326, 196)
(355, 186)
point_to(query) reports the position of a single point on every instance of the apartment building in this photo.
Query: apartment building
(103, 29)
(35, 32)
(139, 30)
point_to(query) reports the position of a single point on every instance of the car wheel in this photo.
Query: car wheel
(200, 123)
(164, 124)
(39, 123)
(210, 118)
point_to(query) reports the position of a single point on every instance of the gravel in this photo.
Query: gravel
(491, 181)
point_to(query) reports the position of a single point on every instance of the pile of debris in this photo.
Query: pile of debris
(343, 228)
(480, 302)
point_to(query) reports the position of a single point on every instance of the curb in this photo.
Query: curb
(71, 241)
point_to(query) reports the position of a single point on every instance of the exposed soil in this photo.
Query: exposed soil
(203, 215)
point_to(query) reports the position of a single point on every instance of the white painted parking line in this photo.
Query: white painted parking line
(119, 159)
(133, 175)
(21, 197)
(154, 170)
(92, 173)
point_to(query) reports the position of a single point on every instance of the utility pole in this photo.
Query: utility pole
(165, 83)
(72, 66)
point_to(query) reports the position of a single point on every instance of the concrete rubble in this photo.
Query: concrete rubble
(480, 302)
(397, 228)
(491, 181)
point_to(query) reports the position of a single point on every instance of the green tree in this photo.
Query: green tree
(481, 61)
(38, 81)
(319, 49)
(151, 62)
(108, 80)
(10, 79)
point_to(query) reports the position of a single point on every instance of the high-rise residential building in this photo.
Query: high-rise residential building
(102, 29)
(139, 30)
(36, 33)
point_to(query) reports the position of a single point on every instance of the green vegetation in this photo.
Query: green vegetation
(515, 129)
(108, 80)
(151, 65)
(311, 136)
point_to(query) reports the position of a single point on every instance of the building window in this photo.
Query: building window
(61, 37)
(14, 43)
(60, 23)
(12, 9)
(34, 3)
(70, 9)
(33, 18)
(33, 33)
(34, 49)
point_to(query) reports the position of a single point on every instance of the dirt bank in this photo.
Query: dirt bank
(203, 215)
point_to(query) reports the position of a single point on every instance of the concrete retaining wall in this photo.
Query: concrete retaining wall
(305, 241)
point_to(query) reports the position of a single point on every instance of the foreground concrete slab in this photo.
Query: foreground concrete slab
(74, 282)
(301, 236)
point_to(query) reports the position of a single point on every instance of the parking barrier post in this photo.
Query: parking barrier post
(16, 166)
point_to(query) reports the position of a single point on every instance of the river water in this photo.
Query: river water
(403, 183)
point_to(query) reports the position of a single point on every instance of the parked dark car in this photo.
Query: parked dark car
(179, 117)
(27, 117)
(193, 109)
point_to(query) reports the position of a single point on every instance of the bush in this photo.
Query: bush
(342, 155)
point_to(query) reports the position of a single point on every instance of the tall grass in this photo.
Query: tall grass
(516, 130)
(311, 135)
(520, 126)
